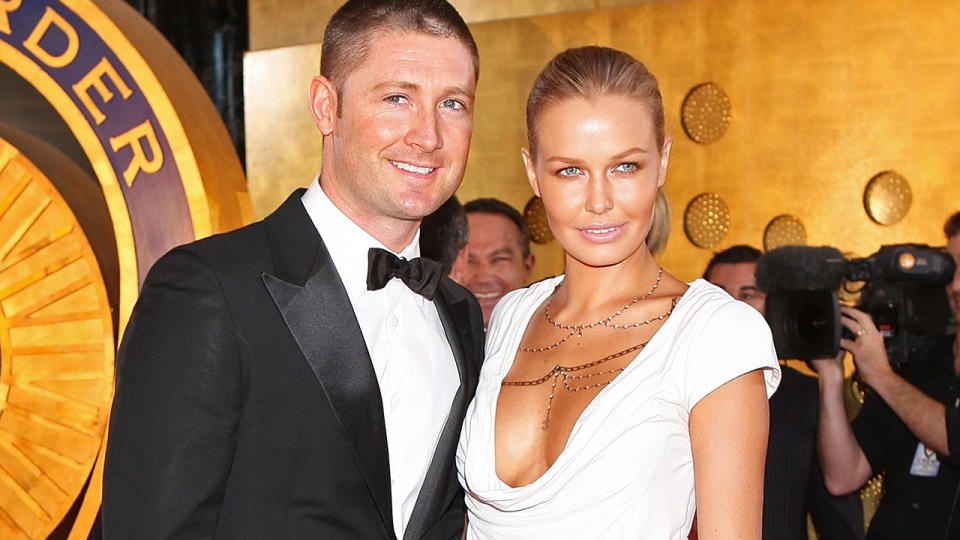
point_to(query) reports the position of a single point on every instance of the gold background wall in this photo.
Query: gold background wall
(824, 96)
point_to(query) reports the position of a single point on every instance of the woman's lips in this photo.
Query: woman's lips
(601, 233)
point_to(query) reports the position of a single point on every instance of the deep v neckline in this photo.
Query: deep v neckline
(514, 346)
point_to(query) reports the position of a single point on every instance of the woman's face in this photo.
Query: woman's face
(597, 168)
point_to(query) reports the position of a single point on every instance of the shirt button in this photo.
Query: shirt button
(394, 321)
(395, 401)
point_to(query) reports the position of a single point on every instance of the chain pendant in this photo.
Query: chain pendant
(557, 371)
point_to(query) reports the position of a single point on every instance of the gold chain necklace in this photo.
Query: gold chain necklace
(559, 370)
(570, 382)
(579, 328)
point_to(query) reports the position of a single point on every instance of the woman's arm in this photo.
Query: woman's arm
(728, 436)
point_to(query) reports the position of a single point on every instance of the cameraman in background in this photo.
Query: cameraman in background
(792, 483)
(908, 427)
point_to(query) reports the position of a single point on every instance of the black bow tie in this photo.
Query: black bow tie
(421, 275)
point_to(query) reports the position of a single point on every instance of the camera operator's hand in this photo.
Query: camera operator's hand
(869, 352)
(829, 367)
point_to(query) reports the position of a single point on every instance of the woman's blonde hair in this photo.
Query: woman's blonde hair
(591, 72)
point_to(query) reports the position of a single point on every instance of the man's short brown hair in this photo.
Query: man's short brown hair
(952, 227)
(347, 36)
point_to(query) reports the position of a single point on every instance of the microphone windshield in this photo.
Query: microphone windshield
(800, 268)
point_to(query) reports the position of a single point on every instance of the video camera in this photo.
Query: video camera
(903, 292)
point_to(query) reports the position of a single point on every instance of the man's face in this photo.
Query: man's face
(398, 147)
(738, 280)
(953, 288)
(495, 261)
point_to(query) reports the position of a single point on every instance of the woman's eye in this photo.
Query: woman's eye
(568, 171)
(626, 167)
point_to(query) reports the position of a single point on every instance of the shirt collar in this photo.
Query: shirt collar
(346, 241)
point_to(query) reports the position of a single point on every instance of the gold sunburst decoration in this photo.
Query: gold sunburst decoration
(56, 352)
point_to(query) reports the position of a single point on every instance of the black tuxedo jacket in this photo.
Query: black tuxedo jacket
(247, 406)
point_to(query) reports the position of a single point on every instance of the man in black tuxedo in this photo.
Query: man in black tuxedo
(285, 380)
(792, 483)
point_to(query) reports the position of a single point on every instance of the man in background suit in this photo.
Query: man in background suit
(792, 483)
(266, 372)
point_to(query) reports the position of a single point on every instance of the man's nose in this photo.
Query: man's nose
(424, 131)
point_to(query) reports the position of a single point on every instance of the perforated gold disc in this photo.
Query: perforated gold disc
(784, 230)
(536, 217)
(56, 352)
(706, 220)
(887, 197)
(706, 113)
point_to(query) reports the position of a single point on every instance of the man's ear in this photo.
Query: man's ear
(528, 263)
(458, 272)
(531, 172)
(323, 104)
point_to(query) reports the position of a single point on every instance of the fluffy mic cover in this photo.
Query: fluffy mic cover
(800, 268)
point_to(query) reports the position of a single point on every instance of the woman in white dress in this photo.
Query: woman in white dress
(606, 391)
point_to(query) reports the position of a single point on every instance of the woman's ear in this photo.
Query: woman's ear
(531, 173)
(323, 104)
(664, 159)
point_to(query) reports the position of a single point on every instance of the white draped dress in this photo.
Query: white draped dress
(626, 470)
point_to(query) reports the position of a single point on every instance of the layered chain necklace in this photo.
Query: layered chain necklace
(577, 329)
(571, 378)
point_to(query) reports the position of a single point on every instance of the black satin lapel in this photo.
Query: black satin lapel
(437, 488)
(322, 321)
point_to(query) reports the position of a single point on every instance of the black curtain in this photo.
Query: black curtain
(211, 35)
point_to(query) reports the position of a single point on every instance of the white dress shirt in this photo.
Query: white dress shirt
(413, 361)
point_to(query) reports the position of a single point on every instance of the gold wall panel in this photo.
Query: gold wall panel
(825, 94)
(281, 23)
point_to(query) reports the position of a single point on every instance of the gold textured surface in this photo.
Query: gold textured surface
(536, 217)
(56, 352)
(706, 113)
(887, 197)
(784, 230)
(706, 220)
(825, 93)
(281, 23)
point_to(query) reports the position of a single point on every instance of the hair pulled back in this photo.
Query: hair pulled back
(591, 72)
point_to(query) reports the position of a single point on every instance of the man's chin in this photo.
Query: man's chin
(487, 305)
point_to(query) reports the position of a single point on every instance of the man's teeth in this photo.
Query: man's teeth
(601, 231)
(487, 295)
(412, 168)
